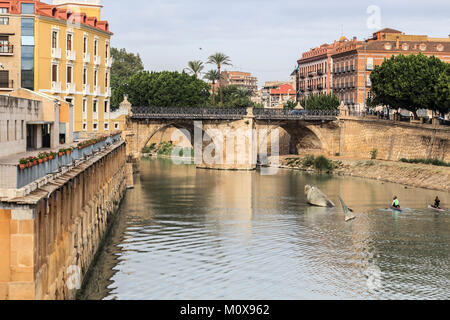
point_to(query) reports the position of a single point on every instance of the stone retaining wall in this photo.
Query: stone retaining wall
(48, 238)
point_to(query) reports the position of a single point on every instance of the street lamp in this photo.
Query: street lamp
(204, 94)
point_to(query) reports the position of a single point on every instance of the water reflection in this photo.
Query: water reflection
(197, 234)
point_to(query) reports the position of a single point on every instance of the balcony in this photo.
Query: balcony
(108, 62)
(310, 74)
(71, 88)
(56, 53)
(71, 55)
(7, 85)
(320, 72)
(97, 90)
(352, 68)
(319, 87)
(347, 69)
(56, 87)
(97, 60)
(6, 49)
(369, 67)
(310, 88)
(86, 58)
(86, 89)
(302, 76)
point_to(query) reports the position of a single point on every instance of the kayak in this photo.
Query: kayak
(436, 209)
(396, 209)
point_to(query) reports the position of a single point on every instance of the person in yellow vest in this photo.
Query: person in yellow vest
(396, 203)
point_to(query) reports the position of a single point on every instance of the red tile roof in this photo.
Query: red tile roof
(283, 89)
(48, 10)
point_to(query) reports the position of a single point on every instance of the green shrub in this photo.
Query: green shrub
(165, 148)
(434, 162)
(321, 163)
(308, 161)
(373, 154)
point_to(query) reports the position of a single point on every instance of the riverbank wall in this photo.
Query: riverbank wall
(49, 237)
(408, 174)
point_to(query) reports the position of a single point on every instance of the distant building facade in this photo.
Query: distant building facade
(353, 63)
(60, 49)
(240, 79)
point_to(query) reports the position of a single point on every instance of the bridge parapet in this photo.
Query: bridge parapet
(139, 112)
(188, 113)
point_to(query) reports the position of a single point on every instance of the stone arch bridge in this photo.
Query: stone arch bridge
(234, 138)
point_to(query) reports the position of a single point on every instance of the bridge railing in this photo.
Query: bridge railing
(230, 113)
(295, 114)
(188, 113)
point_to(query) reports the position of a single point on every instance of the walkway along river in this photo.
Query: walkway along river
(184, 233)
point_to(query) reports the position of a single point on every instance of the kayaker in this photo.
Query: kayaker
(437, 203)
(396, 203)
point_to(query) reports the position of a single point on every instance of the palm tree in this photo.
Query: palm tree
(219, 59)
(195, 67)
(213, 76)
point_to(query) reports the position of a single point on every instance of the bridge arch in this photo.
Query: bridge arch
(301, 137)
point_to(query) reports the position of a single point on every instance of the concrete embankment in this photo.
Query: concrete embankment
(49, 237)
(414, 175)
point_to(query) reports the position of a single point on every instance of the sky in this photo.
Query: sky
(263, 37)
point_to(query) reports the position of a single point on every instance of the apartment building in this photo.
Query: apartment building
(314, 68)
(353, 63)
(60, 49)
(241, 79)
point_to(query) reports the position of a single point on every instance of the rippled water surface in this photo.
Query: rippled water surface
(184, 233)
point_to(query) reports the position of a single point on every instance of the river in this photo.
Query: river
(191, 234)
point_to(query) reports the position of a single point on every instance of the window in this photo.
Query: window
(94, 106)
(4, 10)
(95, 77)
(388, 46)
(106, 79)
(4, 44)
(22, 127)
(54, 39)
(69, 74)
(95, 47)
(69, 42)
(106, 106)
(84, 75)
(7, 130)
(370, 63)
(15, 129)
(440, 47)
(55, 73)
(423, 47)
(405, 46)
(85, 44)
(106, 126)
(84, 126)
(116, 125)
(4, 21)
(95, 126)
(84, 105)
(106, 51)
(27, 8)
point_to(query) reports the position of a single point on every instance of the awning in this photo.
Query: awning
(40, 122)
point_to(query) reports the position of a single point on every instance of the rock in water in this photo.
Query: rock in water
(317, 197)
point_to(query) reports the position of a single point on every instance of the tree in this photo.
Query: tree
(195, 68)
(166, 89)
(234, 96)
(125, 64)
(213, 76)
(219, 59)
(442, 92)
(321, 102)
(408, 82)
(290, 104)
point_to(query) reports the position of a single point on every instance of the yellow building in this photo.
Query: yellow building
(64, 50)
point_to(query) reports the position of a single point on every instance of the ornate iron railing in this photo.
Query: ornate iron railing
(188, 113)
(289, 114)
(230, 113)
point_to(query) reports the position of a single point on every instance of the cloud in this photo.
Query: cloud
(261, 36)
